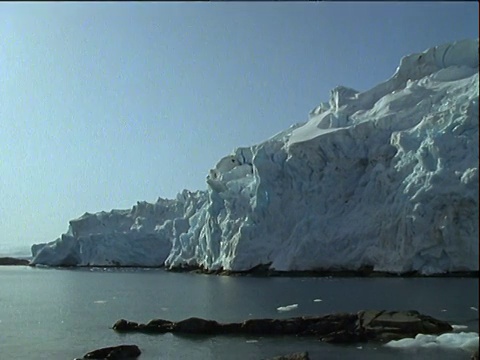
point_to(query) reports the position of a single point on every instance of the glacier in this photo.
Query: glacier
(386, 178)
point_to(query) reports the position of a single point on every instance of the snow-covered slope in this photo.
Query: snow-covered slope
(386, 178)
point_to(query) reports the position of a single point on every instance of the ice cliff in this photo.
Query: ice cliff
(385, 178)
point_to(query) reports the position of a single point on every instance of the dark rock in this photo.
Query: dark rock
(330, 324)
(121, 352)
(262, 326)
(13, 261)
(343, 337)
(230, 328)
(333, 328)
(294, 356)
(158, 326)
(393, 325)
(125, 325)
(474, 355)
(195, 325)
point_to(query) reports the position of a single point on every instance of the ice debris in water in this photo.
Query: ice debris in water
(287, 307)
(463, 340)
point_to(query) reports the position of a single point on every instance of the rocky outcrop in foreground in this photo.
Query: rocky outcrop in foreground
(294, 356)
(120, 352)
(369, 325)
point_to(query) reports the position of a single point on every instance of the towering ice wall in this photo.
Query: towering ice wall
(386, 178)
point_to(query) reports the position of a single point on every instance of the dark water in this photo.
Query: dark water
(62, 314)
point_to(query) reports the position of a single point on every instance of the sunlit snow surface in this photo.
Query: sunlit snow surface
(387, 177)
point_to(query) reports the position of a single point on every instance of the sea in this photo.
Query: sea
(50, 313)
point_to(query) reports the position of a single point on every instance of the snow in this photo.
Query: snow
(386, 178)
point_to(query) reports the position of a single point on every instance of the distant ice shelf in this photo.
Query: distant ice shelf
(386, 178)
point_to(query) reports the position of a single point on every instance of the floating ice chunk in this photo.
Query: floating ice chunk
(99, 301)
(463, 340)
(317, 300)
(418, 341)
(287, 307)
(459, 327)
(251, 341)
(473, 308)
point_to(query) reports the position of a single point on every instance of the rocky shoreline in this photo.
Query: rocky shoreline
(378, 326)
(366, 325)
(367, 271)
(338, 328)
(260, 271)
(129, 352)
(10, 261)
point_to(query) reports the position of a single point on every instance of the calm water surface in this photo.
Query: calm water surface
(62, 314)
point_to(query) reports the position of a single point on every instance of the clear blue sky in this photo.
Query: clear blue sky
(104, 104)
